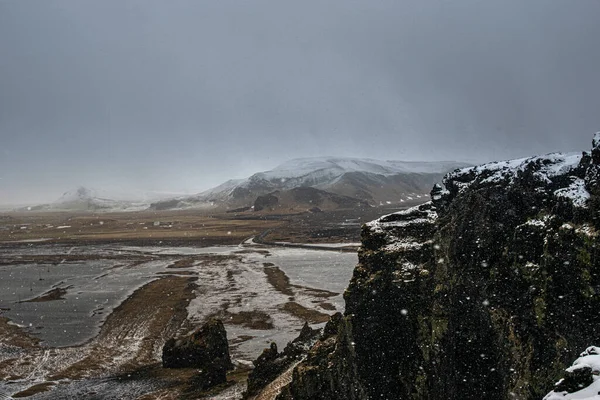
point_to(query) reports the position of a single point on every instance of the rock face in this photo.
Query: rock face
(329, 371)
(271, 363)
(306, 198)
(205, 349)
(486, 292)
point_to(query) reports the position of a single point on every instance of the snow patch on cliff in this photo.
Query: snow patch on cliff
(418, 215)
(546, 167)
(576, 192)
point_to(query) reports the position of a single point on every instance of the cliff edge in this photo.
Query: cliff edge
(489, 291)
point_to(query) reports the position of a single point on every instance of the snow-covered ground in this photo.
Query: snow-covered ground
(590, 358)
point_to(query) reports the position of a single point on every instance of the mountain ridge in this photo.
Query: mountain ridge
(365, 179)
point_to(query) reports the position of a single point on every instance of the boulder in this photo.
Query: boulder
(206, 349)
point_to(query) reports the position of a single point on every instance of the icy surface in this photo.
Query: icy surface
(247, 289)
(230, 278)
(320, 245)
(95, 287)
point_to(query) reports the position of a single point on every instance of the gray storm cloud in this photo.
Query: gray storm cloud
(181, 95)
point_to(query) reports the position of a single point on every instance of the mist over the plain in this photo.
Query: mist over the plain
(178, 96)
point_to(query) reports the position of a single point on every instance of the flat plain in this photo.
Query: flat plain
(90, 298)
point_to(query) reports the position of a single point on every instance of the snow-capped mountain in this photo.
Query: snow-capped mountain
(319, 168)
(368, 180)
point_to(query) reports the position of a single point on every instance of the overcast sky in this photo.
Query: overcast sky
(182, 95)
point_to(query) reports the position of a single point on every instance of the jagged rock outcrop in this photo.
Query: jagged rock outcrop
(271, 363)
(487, 292)
(329, 371)
(206, 349)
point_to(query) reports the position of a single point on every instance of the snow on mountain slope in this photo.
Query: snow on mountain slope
(224, 187)
(365, 179)
(81, 194)
(319, 169)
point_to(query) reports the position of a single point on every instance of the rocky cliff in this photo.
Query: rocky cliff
(487, 292)
(205, 350)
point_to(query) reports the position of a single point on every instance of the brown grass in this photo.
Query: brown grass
(327, 306)
(183, 263)
(316, 292)
(278, 279)
(156, 311)
(35, 389)
(175, 273)
(305, 314)
(186, 225)
(241, 339)
(16, 336)
(51, 295)
(255, 319)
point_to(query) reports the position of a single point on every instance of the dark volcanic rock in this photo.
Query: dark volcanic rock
(266, 368)
(239, 210)
(165, 205)
(576, 380)
(582, 375)
(266, 201)
(270, 364)
(206, 349)
(310, 195)
(329, 371)
(487, 292)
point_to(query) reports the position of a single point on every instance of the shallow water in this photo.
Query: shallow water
(95, 287)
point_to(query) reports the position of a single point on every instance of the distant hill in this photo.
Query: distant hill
(306, 198)
(84, 199)
(364, 180)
